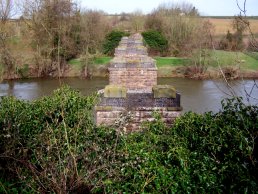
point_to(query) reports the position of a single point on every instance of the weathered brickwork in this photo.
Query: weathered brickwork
(132, 92)
(132, 67)
(133, 78)
(138, 116)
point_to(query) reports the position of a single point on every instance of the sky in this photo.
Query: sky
(205, 7)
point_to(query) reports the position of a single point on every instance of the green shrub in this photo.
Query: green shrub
(210, 153)
(155, 41)
(222, 148)
(112, 41)
(52, 146)
(23, 71)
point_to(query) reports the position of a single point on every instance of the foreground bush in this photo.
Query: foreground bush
(52, 145)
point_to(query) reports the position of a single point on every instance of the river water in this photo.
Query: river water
(196, 95)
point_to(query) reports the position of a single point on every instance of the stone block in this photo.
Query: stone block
(164, 91)
(115, 91)
(174, 108)
(173, 114)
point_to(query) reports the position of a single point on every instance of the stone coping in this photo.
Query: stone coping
(133, 57)
(129, 91)
(116, 67)
(139, 99)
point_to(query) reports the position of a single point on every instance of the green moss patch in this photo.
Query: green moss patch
(174, 108)
(164, 91)
(115, 91)
(103, 108)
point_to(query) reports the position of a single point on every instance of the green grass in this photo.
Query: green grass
(170, 61)
(102, 60)
(97, 61)
(74, 62)
(248, 61)
(14, 40)
(226, 58)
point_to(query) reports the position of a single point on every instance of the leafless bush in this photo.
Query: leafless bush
(181, 25)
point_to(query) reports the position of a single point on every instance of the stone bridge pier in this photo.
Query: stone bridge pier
(133, 95)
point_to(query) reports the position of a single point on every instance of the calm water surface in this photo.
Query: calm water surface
(196, 95)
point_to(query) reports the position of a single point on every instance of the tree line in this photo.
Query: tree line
(59, 30)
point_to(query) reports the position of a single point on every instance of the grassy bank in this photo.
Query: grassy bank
(245, 61)
(177, 67)
(160, 61)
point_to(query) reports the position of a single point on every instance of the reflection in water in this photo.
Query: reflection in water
(30, 89)
(196, 95)
(206, 95)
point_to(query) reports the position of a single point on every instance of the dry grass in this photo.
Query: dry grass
(223, 25)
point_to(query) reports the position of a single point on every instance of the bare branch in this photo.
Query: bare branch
(243, 10)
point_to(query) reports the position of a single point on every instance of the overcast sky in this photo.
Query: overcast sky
(205, 7)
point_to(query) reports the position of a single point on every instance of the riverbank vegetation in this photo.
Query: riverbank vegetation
(242, 64)
(51, 145)
(49, 34)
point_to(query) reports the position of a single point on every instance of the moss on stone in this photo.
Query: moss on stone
(103, 108)
(115, 91)
(164, 91)
(174, 108)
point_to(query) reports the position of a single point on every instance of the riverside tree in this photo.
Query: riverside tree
(55, 32)
(94, 26)
(137, 20)
(234, 41)
(7, 61)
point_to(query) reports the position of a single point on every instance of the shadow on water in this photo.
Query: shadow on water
(196, 95)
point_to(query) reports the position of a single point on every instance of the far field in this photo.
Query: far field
(223, 25)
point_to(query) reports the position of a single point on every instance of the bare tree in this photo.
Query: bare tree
(241, 24)
(253, 42)
(7, 61)
(7, 10)
(55, 28)
(94, 26)
(244, 22)
(179, 23)
(201, 54)
(137, 21)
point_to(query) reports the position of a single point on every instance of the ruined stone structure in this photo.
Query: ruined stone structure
(131, 67)
(133, 88)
